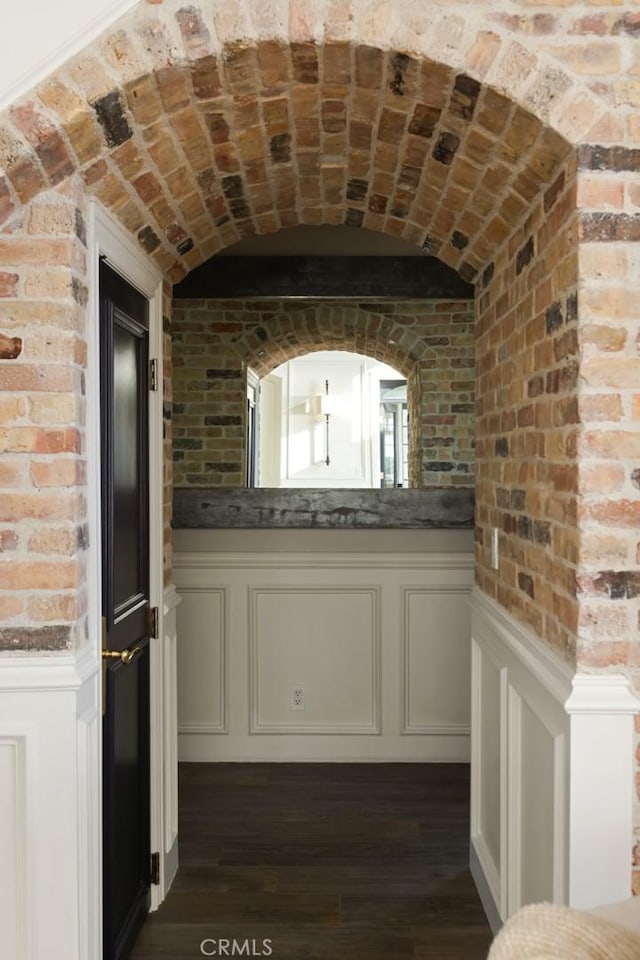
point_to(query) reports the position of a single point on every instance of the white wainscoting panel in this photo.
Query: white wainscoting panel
(552, 773)
(533, 750)
(14, 850)
(355, 630)
(50, 830)
(89, 791)
(324, 640)
(202, 658)
(520, 765)
(437, 660)
(170, 737)
(488, 703)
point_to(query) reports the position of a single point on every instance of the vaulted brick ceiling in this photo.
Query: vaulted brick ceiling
(196, 155)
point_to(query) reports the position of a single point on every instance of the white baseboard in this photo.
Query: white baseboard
(489, 905)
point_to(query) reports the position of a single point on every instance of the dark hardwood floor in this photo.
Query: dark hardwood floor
(321, 862)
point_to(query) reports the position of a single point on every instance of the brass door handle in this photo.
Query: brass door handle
(125, 656)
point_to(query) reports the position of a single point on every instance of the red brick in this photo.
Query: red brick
(16, 506)
(53, 539)
(611, 444)
(58, 473)
(38, 575)
(60, 606)
(11, 606)
(615, 512)
(600, 407)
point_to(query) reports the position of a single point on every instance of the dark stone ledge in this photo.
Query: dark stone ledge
(227, 508)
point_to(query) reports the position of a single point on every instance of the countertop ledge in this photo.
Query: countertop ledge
(272, 508)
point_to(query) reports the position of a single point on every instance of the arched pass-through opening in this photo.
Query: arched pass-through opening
(194, 131)
(193, 144)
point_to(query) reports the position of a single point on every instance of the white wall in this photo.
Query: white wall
(353, 426)
(377, 640)
(38, 36)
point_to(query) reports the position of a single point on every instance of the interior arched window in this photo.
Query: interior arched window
(329, 419)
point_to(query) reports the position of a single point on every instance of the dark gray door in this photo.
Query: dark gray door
(125, 609)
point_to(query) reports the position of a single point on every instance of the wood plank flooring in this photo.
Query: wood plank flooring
(322, 862)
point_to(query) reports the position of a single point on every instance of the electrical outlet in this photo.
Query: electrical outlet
(297, 698)
(495, 549)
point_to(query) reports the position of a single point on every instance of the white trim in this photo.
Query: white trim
(607, 694)
(171, 599)
(589, 718)
(374, 724)
(22, 739)
(601, 709)
(438, 562)
(115, 245)
(221, 726)
(30, 674)
(408, 728)
(513, 824)
(89, 800)
(505, 863)
(437, 729)
(480, 871)
(561, 788)
(539, 659)
(169, 861)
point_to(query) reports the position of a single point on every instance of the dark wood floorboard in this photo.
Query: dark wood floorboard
(323, 861)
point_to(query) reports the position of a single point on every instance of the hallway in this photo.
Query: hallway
(322, 861)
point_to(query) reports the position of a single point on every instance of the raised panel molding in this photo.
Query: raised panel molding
(170, 679)
(357, 715)
(439, 645)
(258, 724)
(89, 794)
(566, 746)
(236, 560)
(488, 783)
(525, 775)
(189, 656)
(18, 918)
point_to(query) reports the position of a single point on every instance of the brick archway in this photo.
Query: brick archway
(198, 125)
(251, 137)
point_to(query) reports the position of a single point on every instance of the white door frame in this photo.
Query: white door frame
(109, 241)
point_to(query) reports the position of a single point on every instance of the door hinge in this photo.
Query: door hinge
(154, 874)
(153, 374)
(153, 624)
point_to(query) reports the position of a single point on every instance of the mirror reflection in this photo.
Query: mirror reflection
(328, 419)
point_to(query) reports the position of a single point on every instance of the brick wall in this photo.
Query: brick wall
(527, 357)
(43, 521)
(446, 124)
(608, 450)
(214, 343)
